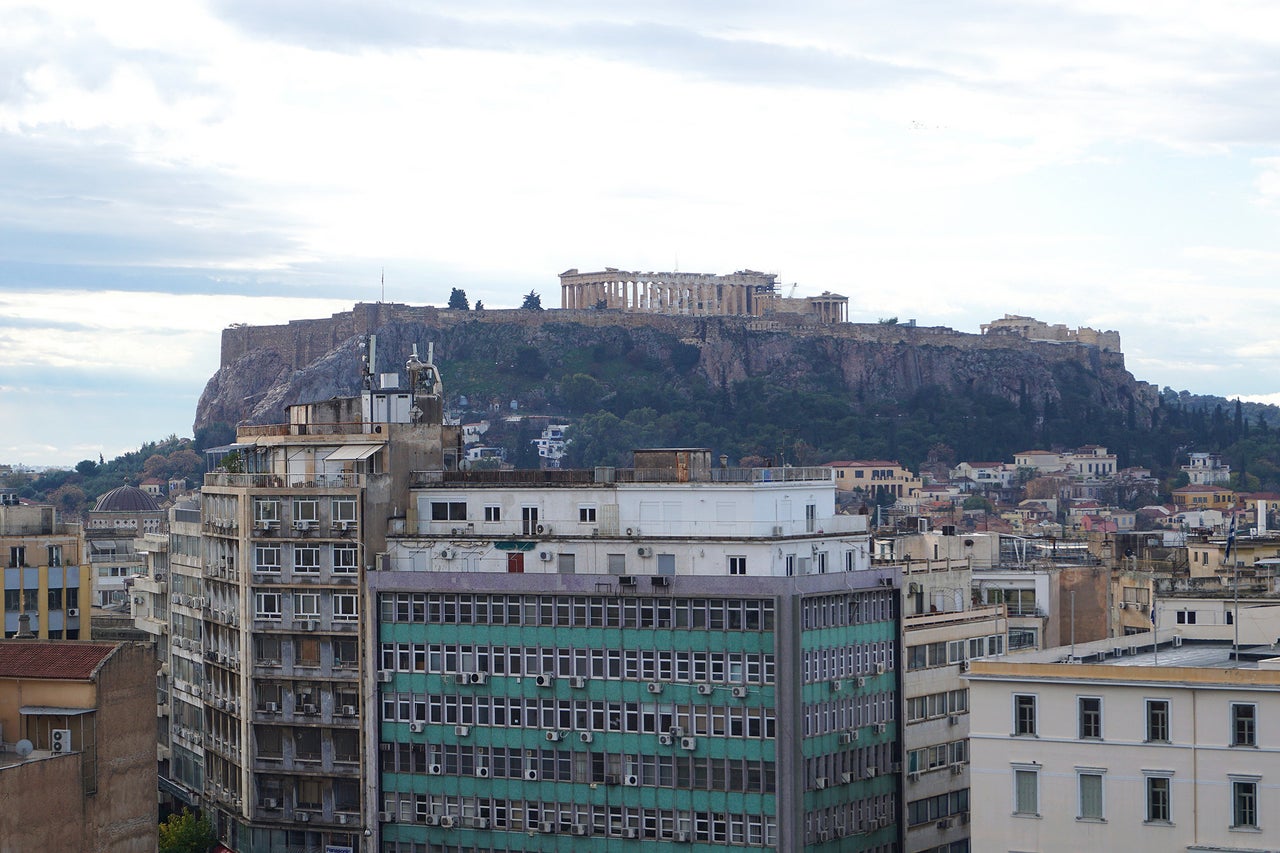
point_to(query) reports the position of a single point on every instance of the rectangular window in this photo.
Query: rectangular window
(344, 607)
(266, 558)
(565, 564)
(306, 559)
(1244, 731)
(737, 565)
(55, 556)
(268, 605)
(1159, 809)
(306, 605)
(1024, 715)
(1090, 785)
(1090, 708)
(448, 511)
(1158, 720)
(1244, 804)
(346, 559)
(343, 511)
(1026, 791)
(305, 511)
(17, 556)
(617, 564)
(493, 513)
(266, 511)
(587, 514)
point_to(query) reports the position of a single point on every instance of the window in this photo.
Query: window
(55, 556)
(346, 559)
(493, 513)
(1023, 638)
(587, 514)
(1244, 804)
(305, 511)
(737, 565)
(306, 605)
(617, 564)
(1024, 715)
(306, 651)
(448, 511)
(1026, 791)
(306, 559)
(1089, 783)
(17, 556)
(268, 605)
(266, 511)
(1090, 708)
(266, 649)
(266, 558)
(1158, 720)
(566, 564)
(344, 651)
(344, 607)
(343, 510)
(1159, 808)
(1244, 730)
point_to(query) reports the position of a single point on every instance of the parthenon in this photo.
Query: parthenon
(744, 293)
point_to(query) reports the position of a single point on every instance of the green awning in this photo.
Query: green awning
(514, 546)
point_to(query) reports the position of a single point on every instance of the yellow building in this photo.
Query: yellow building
(77, 758)
(46, 576)
(1204, 497)
(874, 475)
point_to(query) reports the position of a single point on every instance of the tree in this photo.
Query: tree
(87, 467)
(532, 301)
(458, 300)
(479, 305)
(976, 502)
(186, 833)
(69, 499)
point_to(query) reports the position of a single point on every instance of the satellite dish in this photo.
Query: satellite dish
(23, 748)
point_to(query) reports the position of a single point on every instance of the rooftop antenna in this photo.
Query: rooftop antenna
(384, 285)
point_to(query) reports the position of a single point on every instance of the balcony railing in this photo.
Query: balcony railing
(281, 481)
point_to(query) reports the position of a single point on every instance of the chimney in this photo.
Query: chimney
(24, 628)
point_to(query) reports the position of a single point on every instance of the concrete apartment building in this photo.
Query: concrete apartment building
(626, 659)
(46, 576)
(266, 605)
(77, 754)
(1128, 749)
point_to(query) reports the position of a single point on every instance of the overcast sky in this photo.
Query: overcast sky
(169, 168)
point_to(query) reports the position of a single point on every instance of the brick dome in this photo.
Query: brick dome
(126, 499)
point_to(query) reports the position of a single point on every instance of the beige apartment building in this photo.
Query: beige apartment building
(47, 578)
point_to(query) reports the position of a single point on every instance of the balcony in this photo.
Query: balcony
(327, 481)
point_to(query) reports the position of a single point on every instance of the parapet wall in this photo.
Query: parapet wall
(1037, 330)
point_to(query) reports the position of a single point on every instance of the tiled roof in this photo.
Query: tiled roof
(51, 658)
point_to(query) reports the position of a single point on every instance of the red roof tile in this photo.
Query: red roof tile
(51, 658)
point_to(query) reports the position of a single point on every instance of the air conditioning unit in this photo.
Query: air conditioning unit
(660, 580)
(577, 681)
(482, 772)
(953, 720)
(633, 531)
(417, 727)
(676, 731)
(626, 580)
(688, 743)
(435, 770)
(73, 612)
(343, 818)
(644, 551)
(544, 530)
(302, 817)
(777, 530)
(879, 669)
(705, 689)
(581, 829)
(384, 676)
(872, 771)
(447, 553)
(682, 837)
(848, 737)
(553, 737)
(631, 780)
(914, 777)
(545, 556)
(846, 778)
(546, 827)
(820, 783)
(547, 679)
(881, 728)
(462, 731)
(457, 531)
(860, 681)
(348, 710)
(738, 692)
(630, 832)
(531, 775)
(310, 709)
(271, 803)
(837, 686)
(944, 824)
(272, 707)
(654, 687)
(665, 740)
(957, 768)
(60, 741)
(479, 677)
(431, 819)
(586, 737)
(1123, 605)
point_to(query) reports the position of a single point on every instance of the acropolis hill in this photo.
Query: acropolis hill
(264, 368)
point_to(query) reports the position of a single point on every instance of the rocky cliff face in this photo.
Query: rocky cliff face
(523, 355)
